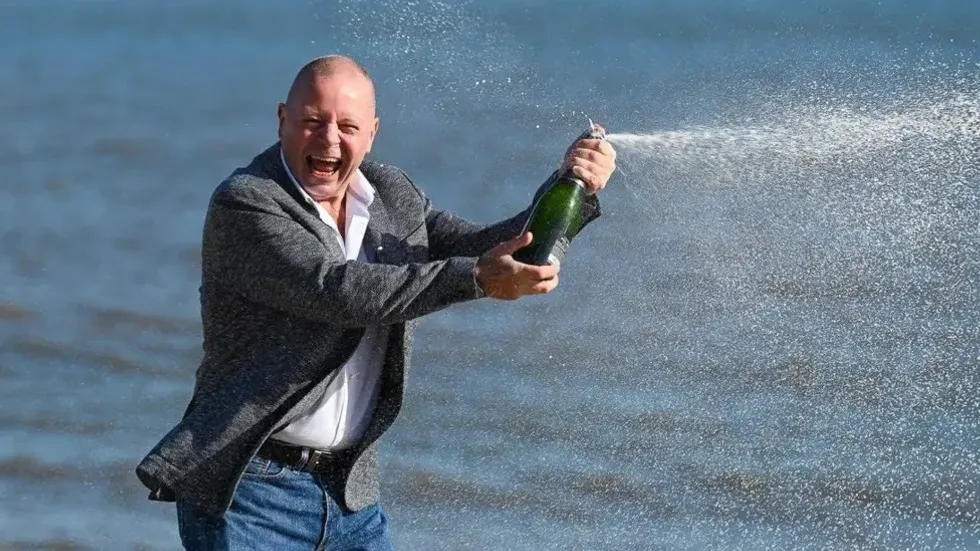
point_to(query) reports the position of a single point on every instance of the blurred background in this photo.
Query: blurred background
(746, 352)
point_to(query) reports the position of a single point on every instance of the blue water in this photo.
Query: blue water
(769, 364)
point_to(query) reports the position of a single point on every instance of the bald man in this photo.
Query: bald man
(316, 265)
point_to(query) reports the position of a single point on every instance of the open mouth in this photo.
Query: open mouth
(323, 165)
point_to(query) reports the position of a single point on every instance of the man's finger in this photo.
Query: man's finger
(511, 246)
(592, 182)
(607, 149)
(545, 286)
(591, 144)
(542, 273)
(594, 155)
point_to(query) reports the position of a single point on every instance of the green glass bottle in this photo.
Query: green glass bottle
(556, 217)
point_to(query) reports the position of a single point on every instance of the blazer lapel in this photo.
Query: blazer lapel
(378, 237)
(272, 162)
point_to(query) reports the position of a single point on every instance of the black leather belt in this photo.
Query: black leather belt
(301, 458)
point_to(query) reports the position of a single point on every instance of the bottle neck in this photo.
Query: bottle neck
(570, 177)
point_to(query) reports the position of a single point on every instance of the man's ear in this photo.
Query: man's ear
(281, 113)
(374, 134)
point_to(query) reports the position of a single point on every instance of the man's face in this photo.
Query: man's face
(326, 129)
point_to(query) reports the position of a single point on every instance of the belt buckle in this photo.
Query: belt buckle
(313, 462)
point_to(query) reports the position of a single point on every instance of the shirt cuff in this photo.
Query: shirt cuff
(480, 293)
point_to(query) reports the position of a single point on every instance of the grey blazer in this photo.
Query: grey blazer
(282, 311)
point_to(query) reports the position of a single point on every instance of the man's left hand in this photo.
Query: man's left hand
(592, 160)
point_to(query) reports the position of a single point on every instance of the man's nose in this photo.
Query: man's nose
(331, 133)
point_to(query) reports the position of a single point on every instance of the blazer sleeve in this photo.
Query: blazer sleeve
(451, 236)
(255, 249)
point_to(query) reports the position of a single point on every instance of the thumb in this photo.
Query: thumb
(511, 246)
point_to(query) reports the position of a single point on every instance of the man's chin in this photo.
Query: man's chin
(322, 188)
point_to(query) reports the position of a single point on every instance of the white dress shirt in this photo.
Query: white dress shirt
(343, 413)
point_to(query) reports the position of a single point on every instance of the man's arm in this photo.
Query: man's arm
(269, 258)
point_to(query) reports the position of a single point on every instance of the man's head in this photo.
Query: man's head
(327, 124)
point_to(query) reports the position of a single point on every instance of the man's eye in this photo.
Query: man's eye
(348, 129)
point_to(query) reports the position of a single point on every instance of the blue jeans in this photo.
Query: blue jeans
(279, 508)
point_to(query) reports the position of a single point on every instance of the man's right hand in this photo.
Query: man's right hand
(502, 277)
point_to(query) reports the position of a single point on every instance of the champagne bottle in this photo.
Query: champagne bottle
(556, 216)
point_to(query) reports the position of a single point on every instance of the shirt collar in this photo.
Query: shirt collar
(362, 190)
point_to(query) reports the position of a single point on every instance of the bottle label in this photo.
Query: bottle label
(558, 252)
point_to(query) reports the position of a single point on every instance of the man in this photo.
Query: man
(316, 264)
